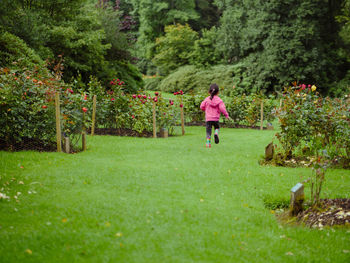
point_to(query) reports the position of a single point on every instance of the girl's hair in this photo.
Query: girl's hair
(213, 90)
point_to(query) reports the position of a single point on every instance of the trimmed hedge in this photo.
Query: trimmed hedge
(195, 79)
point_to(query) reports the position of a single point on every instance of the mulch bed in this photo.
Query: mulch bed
(121, 132)
(305, 161)
(28, 144)
(332, 212)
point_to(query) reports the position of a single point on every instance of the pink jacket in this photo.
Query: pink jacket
(213, 108)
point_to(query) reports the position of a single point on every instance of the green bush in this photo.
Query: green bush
(310, 124)
(152, 83)
(196, 79)
(14, 52)
(27, 109)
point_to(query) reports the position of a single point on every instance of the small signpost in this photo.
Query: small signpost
(269, 151)
(269, 126)
(296, 199)
(163, 132)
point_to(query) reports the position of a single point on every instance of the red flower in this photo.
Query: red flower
(149, 98)
(44, 107)
(111, 83)
(181, 106)
(84, 109)
(112, 99)
(134, 96)
(139, 95)
(175, 93)
(133, 116)
(156, 93)
(181, 92)
(144, 96)
(155, 99)
(303, 86)
(118, 80)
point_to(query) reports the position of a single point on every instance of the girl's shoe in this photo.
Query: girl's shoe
(208, 145)
(216, 136)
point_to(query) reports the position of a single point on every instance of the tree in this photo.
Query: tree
(280, 41)
(175, 48)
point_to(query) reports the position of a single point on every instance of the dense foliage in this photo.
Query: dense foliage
(272, 42)
(312, 125)
(89, 37)
(275, 42)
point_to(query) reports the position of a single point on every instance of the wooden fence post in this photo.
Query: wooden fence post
(93, 115)
(66, 145)
(58, 123)
(261, 114)
(182, 117)
(154, 120)
(83, 140)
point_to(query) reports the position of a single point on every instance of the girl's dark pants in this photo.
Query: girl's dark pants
(209, 125)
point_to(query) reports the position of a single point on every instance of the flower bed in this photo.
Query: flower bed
(313, 126)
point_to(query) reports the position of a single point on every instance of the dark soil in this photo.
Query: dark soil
(331, 212)
(28, 144)
(121, 132)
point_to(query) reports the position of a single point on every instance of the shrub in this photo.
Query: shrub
(152, 82)
(195, 79)
(310, 123)
(14, 52)
(27, 108)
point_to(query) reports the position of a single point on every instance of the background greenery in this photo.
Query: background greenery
(265, 45)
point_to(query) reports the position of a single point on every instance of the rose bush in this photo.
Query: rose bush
(27, 111)
(310, 124)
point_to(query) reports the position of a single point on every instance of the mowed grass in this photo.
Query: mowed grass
(160, 200)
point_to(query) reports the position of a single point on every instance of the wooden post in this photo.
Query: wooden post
(66, 145)
(261, 114)
(58, 122)
(83, 140)
(297, 199)
(154, 120)
(93, 115)
(182, 117)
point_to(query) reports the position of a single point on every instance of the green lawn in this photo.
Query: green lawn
(159, 200)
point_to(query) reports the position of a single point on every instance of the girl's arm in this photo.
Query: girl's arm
(203, 105)
(223, 110)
